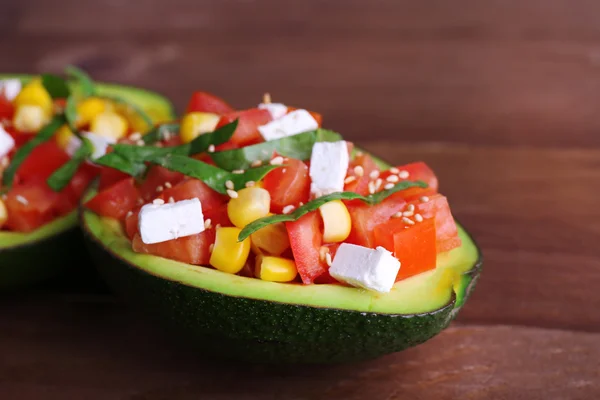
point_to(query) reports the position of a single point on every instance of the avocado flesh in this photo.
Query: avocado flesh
(26, 258)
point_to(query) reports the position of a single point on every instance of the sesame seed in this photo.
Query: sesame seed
(349, 179)
(168, 185)
(418, 218)
(171, 199)
(140, 202)
(371, 187)
(232, 193)
(403, 174)
(211, 148)
(211, 247)
(288, 209)
(256, 163)
(250, 184)
(140, 142)
(229, 185)
(328, 259)
(322, 251)
(300, 204)
(408, 213)
(22, 199)
(238, 171)
(135, 136)
(424, 199)
(359, 154)
(129, 214)
(277, 161)
(5, 162)
(158, 201)
(378, 184)
(394, 170)
(397, 215)
(388, 186)
(267, 98)
(374, 174)
(359, 171)
(392, 178)
(411, 207)
(207, 223)
(408, 221)
(218, 226)
(159, 188)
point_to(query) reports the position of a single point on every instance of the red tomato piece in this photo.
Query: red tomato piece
(246, 132)
(110, 176)
(365, 218)
(194, 188)
(30, 206)
(6, 108)
(361, 184)
(446, 232)
(116, 200)
(417, 171)
(413, 245)
(306, 239)
(19, 137)
(42, 162)
(131, 222)
(288, 185)
(155, 179)
(193, 249)
(206, 102)
(218, 215)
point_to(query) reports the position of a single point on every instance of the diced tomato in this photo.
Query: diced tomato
(194, 188)
(218, 215)
(361, 184)
(289, 185)
(318, 117)
(69, 197)
(246, 132)
(110, 176)
(131, 222)
(417, 171)
(116, 200)
(446, 232)
(413, 245)
(157, 177)
(326, 277)
(19, 137)
(365, 218)
(6, 108)
(206, 102)
(42, 162)
(193, 249)
(30, 206)
(227, 146)
(306, 239)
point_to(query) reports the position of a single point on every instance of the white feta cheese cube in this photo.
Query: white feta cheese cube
(291, 124)
(277, 110)
(372, 269)
(328, 167)
(10, 88)
(163, 222)
(100, 143)
(6, 142)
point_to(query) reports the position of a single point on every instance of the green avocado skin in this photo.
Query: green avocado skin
(38, 261)
(261, 331)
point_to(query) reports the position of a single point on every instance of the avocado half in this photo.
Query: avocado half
(248, 319)
(28, 258)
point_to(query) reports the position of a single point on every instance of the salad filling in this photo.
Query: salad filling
(267, 193)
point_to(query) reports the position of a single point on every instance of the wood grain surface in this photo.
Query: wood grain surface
(501, 98)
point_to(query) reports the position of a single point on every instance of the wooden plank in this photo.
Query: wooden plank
(499, 72)
(59, 348)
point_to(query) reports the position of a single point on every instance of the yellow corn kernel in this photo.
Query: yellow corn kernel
(88, 109)
(251, 204)
(109, 124)
(63, 136)
(34, 94)
(336, 221)
(275, 269)
(272, 240)
(30, 118)
(228, 254)
(195, 124)
(3, 213)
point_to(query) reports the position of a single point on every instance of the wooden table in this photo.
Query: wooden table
(501, 98)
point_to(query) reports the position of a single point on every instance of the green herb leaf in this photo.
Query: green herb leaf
(62, 176)
(214, 177)
(297, 146)
(24, 151)
(315, 204)
(217, 137)
(118, 162)
(71, 113)
(56, 86)
(86, 84)
(159, 132)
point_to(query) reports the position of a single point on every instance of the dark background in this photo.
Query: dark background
(501, 97)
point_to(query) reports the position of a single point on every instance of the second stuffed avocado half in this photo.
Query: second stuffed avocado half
(258, 235)
(39, 236)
